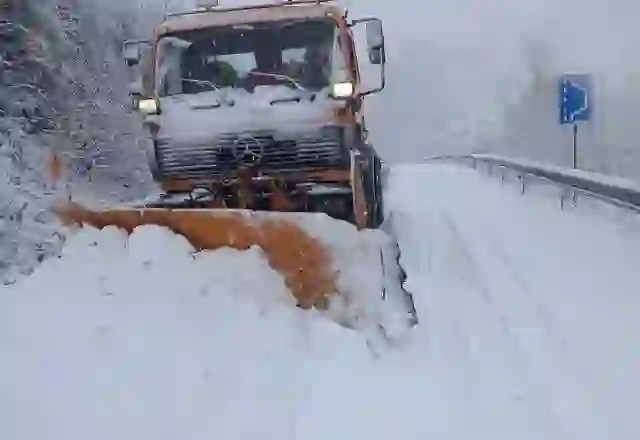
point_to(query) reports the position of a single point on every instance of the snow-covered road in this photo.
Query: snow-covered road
(535, 309)
(528, 330)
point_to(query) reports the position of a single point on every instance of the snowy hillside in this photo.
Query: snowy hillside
(62, 91)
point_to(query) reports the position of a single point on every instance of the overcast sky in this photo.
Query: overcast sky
(453, 63)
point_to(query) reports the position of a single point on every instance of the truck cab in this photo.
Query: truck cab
(261, 107)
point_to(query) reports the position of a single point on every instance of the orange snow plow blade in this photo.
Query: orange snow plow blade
(300, 258)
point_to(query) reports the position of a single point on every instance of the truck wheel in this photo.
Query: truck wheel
(151, 154)
(373, 191)
(379, 191)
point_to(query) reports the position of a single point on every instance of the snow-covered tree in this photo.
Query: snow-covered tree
(62, 91)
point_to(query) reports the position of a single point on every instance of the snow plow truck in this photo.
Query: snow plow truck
(257, 109)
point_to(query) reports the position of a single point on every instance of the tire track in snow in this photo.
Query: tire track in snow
(496, 347)
(465, 332)
(446, 349)
(515, 352)
(574, 387)
(541, 351)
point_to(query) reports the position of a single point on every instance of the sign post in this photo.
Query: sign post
(575, 104)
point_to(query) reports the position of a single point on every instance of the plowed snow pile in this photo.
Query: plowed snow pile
(137, 337)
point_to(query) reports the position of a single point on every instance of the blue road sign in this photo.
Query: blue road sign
(575, 98)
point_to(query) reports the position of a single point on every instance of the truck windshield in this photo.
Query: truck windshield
(295, 54)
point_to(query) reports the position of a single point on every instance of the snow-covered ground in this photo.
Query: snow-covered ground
(526, 331)
(528, 314)
(138, 337)
(63, 91)
(535, 308)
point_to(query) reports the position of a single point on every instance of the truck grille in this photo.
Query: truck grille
(230, 152)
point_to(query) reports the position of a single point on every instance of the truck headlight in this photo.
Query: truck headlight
(148, 106)
(342, 90)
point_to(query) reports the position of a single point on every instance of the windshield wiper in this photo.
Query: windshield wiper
(229, 102)
(311, 96)
(201, 82)
(295, 83)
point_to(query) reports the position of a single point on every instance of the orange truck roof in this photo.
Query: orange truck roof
(247, 15)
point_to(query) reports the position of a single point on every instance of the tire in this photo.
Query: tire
(372, 184)
(379, 192)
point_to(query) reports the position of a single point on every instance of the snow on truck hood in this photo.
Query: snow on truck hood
(199, 117)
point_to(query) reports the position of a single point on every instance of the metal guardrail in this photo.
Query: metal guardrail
(616, 191)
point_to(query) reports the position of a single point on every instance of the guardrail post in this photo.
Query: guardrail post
(502, 173)
(522, 179)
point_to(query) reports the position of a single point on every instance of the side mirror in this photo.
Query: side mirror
(132, 51)
(375, 41)
(375, 49)
(135, 92)
(135, 88)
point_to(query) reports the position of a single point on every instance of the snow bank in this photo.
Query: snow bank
(138, 337)
(366, 272)
(320, 257)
